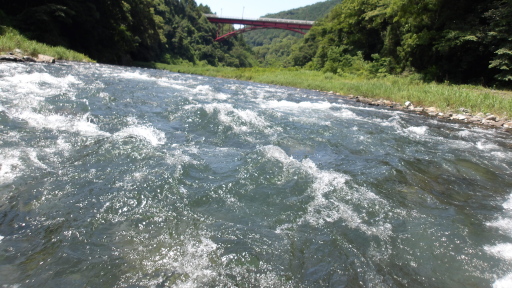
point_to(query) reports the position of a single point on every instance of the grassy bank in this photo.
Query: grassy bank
(445, 97)
(11, 39)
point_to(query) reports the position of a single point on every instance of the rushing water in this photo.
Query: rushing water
(124, 177)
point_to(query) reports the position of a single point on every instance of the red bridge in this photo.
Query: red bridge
(261, 23)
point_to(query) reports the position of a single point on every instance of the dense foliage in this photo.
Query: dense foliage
(445, 40)
(117, 31)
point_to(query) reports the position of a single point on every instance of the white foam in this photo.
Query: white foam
(283, 104)
(505, 282)
(40, 84)
(153, 136)
(177, 158)
(465, 133)
(502, 250)
(135, 75)
(486, 146)
(192, 258)
(240, 120)
(61, 123)
(508, 204)
(504, 224)
(10, 165)
(206, 91)
(422, 130)
(347, 114)
(332, 199)
(1, 237)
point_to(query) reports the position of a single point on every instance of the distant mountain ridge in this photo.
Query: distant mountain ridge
(311, 12)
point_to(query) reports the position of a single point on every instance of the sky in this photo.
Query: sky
(253, 8)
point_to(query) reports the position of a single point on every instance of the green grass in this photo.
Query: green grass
(11, 39)
(445, 97)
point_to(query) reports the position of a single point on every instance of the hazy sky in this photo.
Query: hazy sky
(253, 8)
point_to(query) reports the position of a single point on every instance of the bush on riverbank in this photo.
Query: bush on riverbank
(445, 97)
(11, 39)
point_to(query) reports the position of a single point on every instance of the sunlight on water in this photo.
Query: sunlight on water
(124, 177)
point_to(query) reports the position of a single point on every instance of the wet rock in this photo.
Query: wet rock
(499, 123)
(491, 118)
(29, 59)
(507, 125)
(475, 120)
(387, 103)
(459, 117)
(431, 110)
(493, 123)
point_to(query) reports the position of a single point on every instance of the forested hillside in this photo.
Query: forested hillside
(272, 47)
(119, 31)
(444, 40)
(310, 13)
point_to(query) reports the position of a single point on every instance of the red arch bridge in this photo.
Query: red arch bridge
(261, 23)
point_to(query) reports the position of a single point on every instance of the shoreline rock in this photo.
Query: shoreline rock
(464, 115)
(18, 56)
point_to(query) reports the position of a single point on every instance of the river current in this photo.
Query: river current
(125, 177)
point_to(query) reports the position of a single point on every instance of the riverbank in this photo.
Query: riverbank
(11, 40)
(463, 103)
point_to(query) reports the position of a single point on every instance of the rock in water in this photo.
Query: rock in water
(29, 59)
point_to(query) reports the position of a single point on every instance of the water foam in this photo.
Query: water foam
(422, 130)
(206, 91)
(154, 136)
(333, 200)
(240, 120)
(505, 282)
(288, 105)
(40, 84)
(13, 163)
(135, 75)
(503, 250)
(10, 166)
(80, 124)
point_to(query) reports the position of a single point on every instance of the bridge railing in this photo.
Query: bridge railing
(273, 20)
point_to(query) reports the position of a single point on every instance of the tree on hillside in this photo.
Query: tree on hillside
(445, 40)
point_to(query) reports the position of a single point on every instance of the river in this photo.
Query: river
(125, 177)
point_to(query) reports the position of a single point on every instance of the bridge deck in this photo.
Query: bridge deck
(264, 22)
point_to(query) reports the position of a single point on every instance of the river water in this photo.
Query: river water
(124, 177)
